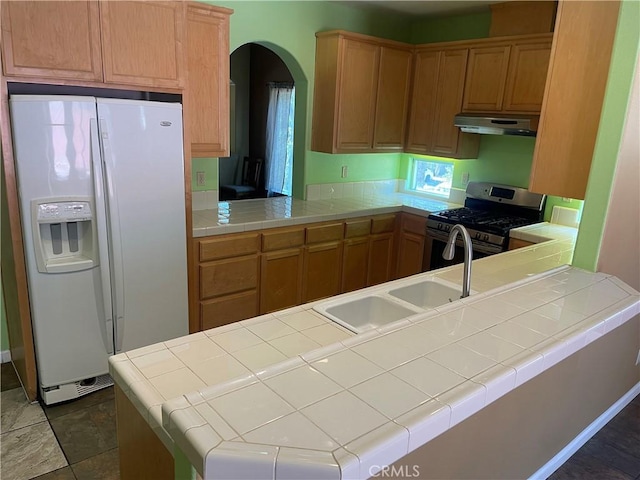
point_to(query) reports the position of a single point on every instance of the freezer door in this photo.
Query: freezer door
(53, 160)
(144, 170)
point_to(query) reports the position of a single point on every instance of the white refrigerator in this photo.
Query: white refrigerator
(101, 186)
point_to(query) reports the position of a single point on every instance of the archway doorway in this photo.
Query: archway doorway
(262, 125)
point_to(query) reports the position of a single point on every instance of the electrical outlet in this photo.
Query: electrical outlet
(465, 178)
(344, 171)
(200, 179)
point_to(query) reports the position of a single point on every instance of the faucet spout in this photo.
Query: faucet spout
(449, 251)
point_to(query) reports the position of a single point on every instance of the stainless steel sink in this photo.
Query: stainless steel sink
(365, 313)
(427, 294)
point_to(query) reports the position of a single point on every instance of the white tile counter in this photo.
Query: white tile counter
(245, 215)
(293, 395)
(543, 232)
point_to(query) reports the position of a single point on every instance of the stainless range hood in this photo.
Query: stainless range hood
(489, 124)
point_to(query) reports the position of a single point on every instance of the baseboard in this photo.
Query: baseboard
(583, 437)
(6, 356)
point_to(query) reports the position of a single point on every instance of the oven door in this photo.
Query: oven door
(435, 244)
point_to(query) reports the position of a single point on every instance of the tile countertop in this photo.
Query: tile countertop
(296, 390)
(245, 215)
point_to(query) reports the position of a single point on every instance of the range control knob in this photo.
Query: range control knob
(439, 226)
(447, 228)
(485, 237)
(478, 236)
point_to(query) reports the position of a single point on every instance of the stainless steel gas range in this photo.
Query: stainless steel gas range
(490, 211)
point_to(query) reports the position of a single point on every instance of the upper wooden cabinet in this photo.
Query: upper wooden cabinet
(570, 117)
(527, 76)
(142, 42)
(438, 87)
(361, 93)
(507, 75)
(129, 43)
(392, 98)
(207, 92)
(487, 75)
(52, 40)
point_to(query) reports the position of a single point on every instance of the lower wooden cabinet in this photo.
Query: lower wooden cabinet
(355, 259)
(281, 279)
(411, 245)
(380, 264)
(242, 275)
(380, 258)
(322, 261)
(228, 274)
(517, 243)
(322, 272)
(228, 309)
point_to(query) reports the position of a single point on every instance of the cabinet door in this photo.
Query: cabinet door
(410, 254)
(527, 76)
(228, 276)
(52, 39)
(354, 264)
(357, 95)
(207, 90)
(142, 42)
(281, 280)
(321, 271)
(423, 102)
(570, 117)
(447, 137)
(486, 78)
(380, 258)
(228, 309)
(411, 243)
(392, 99)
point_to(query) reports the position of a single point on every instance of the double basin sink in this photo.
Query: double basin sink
(360, 312)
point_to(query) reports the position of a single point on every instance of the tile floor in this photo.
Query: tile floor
(77, 440)
(71, 441)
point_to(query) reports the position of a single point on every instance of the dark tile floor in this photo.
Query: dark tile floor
(613, 453)
(86, 431)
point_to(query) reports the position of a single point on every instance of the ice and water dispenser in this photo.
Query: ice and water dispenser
(64, 234)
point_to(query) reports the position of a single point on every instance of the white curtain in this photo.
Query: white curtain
(279, 153)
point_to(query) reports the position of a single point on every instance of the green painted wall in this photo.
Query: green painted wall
(326, 168)
(210, 168)
(451, 28)
(625, 56)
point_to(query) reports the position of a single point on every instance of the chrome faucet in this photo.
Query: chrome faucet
(449, 251)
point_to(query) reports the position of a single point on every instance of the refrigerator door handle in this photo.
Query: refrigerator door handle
(116, 240)
(103, 239)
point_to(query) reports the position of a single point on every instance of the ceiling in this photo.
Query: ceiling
(425, 7)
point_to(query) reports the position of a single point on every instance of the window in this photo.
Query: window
(431, 177)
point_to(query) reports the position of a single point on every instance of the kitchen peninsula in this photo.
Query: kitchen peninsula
(293, 395)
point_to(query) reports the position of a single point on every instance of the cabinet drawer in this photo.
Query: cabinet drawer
(228, 276)
(324, 233)
(383, 224)
(414, 224)
(281, 239)
(228, 309)
(229, 246)
(357, 228)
